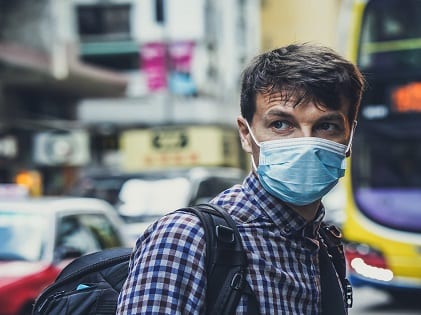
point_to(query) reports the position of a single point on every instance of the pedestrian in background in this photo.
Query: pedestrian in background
(299, 106)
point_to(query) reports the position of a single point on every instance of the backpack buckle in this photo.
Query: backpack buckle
(237, 282)
(348, 294)
(225, 234)
(331, 235)
(334, 231)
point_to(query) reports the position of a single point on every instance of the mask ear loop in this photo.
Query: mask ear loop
(252, 135)
(351, 137)
(256, 142)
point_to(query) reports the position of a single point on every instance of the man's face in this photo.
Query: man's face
(276, 119)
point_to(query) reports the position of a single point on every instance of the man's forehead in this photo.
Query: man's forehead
(289, 98)
(294, 97)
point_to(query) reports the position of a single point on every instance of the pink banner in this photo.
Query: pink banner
(181, 54)
(154, 63)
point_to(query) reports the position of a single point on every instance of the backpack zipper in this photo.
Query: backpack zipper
(78, 274)
(50, 298)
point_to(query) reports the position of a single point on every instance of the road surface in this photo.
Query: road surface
(368, 301)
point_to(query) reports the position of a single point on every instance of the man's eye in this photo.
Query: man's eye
(281, 125)
(328, 126)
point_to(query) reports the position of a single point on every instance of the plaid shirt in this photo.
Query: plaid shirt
(167, 269)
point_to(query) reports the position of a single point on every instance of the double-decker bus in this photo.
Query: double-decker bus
(383, 183)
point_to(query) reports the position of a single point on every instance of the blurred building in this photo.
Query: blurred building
(41, 81)
(288, 21)
(183, 60)
(75, 74)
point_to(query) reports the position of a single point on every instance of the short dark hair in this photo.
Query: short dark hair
(305, 72)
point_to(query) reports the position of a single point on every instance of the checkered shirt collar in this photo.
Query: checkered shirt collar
(279, 213)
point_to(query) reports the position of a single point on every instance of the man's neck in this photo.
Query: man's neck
(308, 212)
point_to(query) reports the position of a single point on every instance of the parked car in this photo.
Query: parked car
(40, 236)
(140, 198)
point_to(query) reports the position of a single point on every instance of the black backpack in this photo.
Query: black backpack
(91, 283)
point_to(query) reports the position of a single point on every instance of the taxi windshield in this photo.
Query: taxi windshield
(21, 235)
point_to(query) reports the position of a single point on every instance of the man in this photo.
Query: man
(299, 106)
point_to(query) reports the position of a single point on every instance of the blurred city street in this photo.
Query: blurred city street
(369, 301)
(133, 104)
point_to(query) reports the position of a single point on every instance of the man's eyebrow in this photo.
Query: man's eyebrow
(333, 116)
(279, 113)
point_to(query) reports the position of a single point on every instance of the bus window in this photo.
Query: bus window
(391, 34)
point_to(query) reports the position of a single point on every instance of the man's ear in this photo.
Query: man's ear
(244, 134)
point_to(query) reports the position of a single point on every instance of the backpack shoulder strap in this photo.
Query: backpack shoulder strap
(89, 263)
(332, 239)
(226, 261)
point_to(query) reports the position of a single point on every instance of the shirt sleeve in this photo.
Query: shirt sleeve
(167, 269)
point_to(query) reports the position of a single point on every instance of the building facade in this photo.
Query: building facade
(75, 74)
(289, 21)
(41, 82)
(182, 58)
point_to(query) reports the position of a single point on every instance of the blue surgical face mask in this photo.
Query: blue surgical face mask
(301, 170)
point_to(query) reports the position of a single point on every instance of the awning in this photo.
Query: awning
(26, 68)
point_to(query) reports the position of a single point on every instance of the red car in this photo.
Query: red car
(39, 237)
